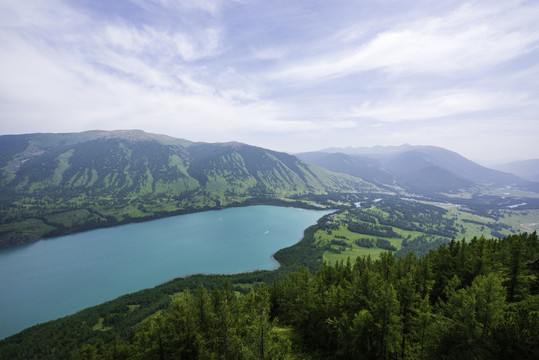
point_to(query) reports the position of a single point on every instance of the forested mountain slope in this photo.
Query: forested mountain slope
(57, 183)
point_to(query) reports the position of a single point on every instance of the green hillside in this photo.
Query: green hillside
(53, 184)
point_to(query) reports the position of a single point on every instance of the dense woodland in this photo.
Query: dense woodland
(465, 300)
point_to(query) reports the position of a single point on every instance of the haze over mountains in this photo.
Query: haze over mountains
(526, 169)
(417, 169)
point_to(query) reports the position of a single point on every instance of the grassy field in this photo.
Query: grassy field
(464, 224)
(352, 254)
(100, 326)
(523, 220)
(469, 224)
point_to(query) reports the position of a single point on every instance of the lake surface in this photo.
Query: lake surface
(56, 277)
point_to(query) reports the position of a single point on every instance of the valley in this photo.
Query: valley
(416, 225)
(269, 180)
(56, 184)
(386, 206)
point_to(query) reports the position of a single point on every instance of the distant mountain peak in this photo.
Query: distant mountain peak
(419, 169)
(526, 169)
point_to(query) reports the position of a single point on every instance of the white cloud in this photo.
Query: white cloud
(269, 53)
(436, 105)
(30, 16)
(153, 57)
(42, 87)
(468, 39)
(210, 6)
(196, 70)
(159, 43)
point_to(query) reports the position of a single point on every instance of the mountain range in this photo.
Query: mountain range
(526, 169)
(416, 169)
(54, 184)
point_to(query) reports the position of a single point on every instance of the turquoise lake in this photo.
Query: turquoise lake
(56, 277)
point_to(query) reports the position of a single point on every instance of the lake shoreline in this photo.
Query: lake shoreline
(19, 239)
(260, 260)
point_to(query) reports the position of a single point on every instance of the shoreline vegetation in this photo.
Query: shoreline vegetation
(22, 238)
(157, 298)
(131, 258)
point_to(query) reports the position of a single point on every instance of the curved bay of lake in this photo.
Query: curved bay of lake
(60, 276)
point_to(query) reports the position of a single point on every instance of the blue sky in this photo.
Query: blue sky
(287, 75)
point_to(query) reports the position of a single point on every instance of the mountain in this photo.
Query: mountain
(52, 184)
(416, 172)
(526, 169)
(367, 168)
(418, 169)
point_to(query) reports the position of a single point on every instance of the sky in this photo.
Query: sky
(288, 75)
